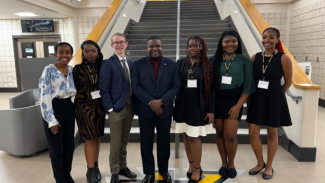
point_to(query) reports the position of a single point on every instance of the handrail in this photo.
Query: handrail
(249, 26)
(115, 21)
(300, 79)
(99, 29)
(178, 28)
(177, 57)
(294, 97)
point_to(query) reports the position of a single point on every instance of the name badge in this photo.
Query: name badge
(226, 80)
(191, 83)
(263, 84)
(95, 94)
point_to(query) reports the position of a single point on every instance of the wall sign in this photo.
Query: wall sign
(40, 25)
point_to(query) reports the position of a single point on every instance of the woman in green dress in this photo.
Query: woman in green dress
(233, 77)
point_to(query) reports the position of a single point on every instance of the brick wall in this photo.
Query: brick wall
(307, 39)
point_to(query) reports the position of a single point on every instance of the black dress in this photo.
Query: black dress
(268, 107)
(90, 113)
(189, 115)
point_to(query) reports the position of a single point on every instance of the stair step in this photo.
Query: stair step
(168, 46)
(185, 22)
(167, 27)
(171, 41)
(182, 31)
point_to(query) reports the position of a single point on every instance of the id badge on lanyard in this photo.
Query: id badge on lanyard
(263, 84)
(226, 80)
(95, 94)
(192, 83)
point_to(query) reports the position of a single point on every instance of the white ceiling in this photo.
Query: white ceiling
(47, 8)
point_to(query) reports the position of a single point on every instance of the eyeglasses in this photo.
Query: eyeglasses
(119, 43)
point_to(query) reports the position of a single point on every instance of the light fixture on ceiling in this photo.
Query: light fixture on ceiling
(236, 12)
(26, 14)
(124, 15)
(78, 0)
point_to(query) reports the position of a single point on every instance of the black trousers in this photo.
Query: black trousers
(61, 145)
(147, 130)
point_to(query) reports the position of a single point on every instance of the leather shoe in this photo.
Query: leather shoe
(166, 177)
(265, 176)
(253, 172)
(115, 179)
(232, 173)
(223, 171)
(149, 179)
(127, 173)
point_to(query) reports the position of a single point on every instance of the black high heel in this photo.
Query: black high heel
(195, 181)
(189, 174)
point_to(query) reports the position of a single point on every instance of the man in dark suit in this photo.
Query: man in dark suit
(116, 94)
(155, 83)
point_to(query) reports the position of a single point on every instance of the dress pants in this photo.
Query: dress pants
(120, 126)
(147, 130)
(61, 145)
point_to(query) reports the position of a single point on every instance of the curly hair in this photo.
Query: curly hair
(218, 60)
(206, 64)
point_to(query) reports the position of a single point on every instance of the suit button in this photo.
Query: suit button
(156, 89)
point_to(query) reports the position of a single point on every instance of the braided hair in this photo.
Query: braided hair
(218, 59)
(206, 64)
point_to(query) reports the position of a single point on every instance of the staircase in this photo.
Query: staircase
(198, 17)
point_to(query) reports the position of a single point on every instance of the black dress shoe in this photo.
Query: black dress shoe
(166, 177)
(265, 176)
(115, 179)
(223, 171)
(253, 172)
(232, 173)
(91, 175)
(98, 174)
(127, 173)
(149, 179)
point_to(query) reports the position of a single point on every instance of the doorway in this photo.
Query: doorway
(32, 54)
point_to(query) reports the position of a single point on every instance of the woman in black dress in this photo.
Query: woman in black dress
(268, 106)
(88, 105)
(194, 105)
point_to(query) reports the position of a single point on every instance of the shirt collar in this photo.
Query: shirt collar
(120, 58)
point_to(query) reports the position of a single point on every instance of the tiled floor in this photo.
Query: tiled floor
(37, 169)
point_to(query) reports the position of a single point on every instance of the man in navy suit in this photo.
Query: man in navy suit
(116, 94)
(155, 83)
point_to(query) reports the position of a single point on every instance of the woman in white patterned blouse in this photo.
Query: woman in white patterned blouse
(56, 88)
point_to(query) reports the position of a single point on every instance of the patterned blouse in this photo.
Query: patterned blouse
(53, 84)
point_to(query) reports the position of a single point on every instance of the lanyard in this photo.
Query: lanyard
(190, 72)
(227, 67)
(265, 67)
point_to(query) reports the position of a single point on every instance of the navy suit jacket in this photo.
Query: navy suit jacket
(146, 88)
(113, 83)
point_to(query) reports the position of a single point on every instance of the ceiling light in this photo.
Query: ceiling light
(25, 14)
(236, 12)
(78, 0)
(124, 15)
